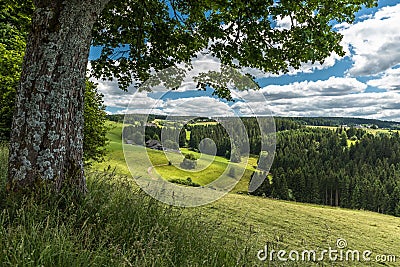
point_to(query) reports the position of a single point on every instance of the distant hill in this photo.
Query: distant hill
(314, 121)
(337, 121)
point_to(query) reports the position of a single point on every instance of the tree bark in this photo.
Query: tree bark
(47, 132)
(337, 198)
(326, 195)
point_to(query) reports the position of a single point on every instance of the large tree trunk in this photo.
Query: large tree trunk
(47, 132)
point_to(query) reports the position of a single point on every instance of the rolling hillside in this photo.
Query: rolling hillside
(257, 221)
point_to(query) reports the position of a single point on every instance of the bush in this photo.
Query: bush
(170, 144)
(187, 182)
(189, 162)
(138, 139)
(190, 156)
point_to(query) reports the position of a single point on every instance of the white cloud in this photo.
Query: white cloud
(197, 106)
(309, 67)
(283, 23)
(389, 80)
(128, 110)
(375, 42)
(113, 95)
(305, 67)
(192, 106)
(345, 97)
(252, 109)
(368, 105)
(334, 86)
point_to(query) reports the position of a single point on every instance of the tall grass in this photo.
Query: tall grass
(116, 224)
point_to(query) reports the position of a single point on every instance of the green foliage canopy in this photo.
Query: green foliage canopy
(14, 21)
(95, 129)
(138, 37)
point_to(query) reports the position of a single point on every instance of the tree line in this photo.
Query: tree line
(139, 134)
(340, 121)
(251, 131)
(347, 167)
(316, 166)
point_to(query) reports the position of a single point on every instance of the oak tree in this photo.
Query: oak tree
(138, 37)
(15, 19)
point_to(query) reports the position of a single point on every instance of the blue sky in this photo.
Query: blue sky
(364, 83)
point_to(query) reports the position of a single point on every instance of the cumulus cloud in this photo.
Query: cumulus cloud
(373, 44)
(202, 63)
(203, 106)
(155, 111)
(334, 86)
(368, 105)
(113, 95)
(197, 106)
(283, 23)
(305, 67)
(344, 97)
(389, 80)
(309, 67)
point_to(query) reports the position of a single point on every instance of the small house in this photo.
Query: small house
(154, 144)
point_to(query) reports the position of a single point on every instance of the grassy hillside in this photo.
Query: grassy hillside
(115, 156)
(288, 225)
(352, 142)
(368, 130)
(296, 226)
(118, 225)
(201, 175)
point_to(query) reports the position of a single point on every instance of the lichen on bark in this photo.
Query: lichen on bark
(47, 133)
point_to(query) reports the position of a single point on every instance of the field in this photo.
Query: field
(368, 130)
(352, 142)
(282, 224)
(208, 167)
(118, 225)
(295, 226)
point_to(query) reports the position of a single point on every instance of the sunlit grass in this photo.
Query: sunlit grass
(208, 167)
(118, 225)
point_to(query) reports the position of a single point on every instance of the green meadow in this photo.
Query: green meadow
(117, 224)
(368, 130)
(208, 167)
(352, 142)
(256, 221)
